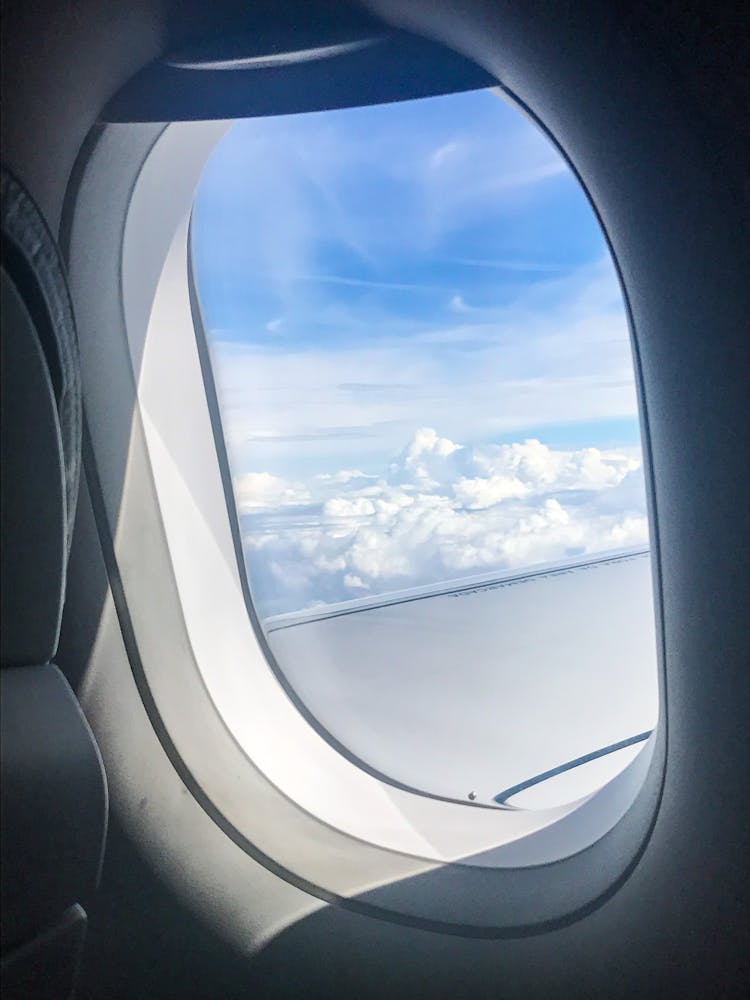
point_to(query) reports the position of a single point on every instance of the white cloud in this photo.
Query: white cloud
(443, 510)
(343, 476)
(426, 461)
(443, 153)
(263, 491)
(345, 507)
(477, 493)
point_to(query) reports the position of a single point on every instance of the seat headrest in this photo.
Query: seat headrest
(40, 422)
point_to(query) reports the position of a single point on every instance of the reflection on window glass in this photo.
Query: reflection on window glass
(426, 388)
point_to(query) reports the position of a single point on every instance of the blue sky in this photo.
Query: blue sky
(371, 273)
(395, 215)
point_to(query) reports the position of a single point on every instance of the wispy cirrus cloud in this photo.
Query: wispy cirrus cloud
(524, 266)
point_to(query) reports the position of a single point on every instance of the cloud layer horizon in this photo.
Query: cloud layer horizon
(440, 511)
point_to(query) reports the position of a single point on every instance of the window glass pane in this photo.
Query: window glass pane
(426, 387)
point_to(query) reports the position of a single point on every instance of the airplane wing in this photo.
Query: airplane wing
(486, 684)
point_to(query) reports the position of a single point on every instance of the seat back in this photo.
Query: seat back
(52, 783)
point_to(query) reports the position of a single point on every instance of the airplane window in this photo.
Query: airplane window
(423, 368)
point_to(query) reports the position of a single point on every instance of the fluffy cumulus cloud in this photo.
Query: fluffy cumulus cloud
(262, 490)
(440, 511)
